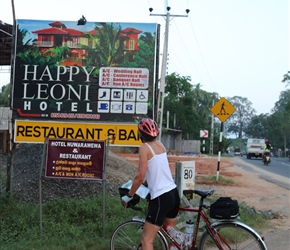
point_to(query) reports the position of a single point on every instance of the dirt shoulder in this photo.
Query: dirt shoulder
(249, 187)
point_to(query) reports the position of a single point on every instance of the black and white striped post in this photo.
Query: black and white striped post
(219, 152)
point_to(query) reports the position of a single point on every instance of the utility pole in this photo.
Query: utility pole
(160, 102)
(211, 132)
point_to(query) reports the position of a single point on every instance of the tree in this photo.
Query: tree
(189, 103)
(284, 100)
(110, 44)
(240, 119)
(286, 78)
(203, 102)
(178, 93)
(257, 127)
(4, 96)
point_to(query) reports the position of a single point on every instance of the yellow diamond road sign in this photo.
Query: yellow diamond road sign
(223, 109)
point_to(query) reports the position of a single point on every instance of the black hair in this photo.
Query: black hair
(146, 138)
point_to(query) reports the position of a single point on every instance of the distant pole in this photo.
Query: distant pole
(164, 64)
(219, 153)
(212, 132)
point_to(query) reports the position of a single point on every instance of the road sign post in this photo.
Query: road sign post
(223, 109)
(203, 134)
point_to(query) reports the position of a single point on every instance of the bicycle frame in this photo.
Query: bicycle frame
(212, 229)
(200, 214)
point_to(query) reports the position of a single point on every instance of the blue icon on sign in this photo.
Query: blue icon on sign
(129, 107)
(104, 106)
(104, 94)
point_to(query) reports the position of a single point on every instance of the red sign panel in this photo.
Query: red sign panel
(75, 159)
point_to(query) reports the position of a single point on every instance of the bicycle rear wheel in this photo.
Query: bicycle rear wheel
(128, 236)
(233, 235)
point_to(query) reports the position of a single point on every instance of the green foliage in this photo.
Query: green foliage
(239, 120)
(189, 103)
(110, 45)
(190, 106)
(69, 223)
(213, 179)
(275, 126)
(4, 96)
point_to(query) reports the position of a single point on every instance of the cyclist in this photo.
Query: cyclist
(154, 167)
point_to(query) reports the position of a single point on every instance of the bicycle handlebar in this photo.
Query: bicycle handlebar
(134, 207)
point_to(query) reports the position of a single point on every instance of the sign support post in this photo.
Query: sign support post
(223, 109)
(219, 153)
(104, 183)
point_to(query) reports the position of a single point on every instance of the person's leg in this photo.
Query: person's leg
(170, 221)
(171, 217)
(161, 211)
(148, 236)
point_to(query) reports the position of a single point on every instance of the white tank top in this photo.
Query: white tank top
(158, 174)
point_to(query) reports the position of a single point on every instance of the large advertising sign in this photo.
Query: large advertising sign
(98, 72)
(36, 132)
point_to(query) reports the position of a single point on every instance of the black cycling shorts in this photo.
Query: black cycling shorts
(163, 206)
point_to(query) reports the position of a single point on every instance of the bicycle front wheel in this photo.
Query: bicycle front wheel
(128, 236)
(232, 235)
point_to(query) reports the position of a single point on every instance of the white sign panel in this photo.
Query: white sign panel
(113, 77)
(203, 133)
(185, 178)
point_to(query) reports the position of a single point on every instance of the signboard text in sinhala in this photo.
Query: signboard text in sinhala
(75, 159)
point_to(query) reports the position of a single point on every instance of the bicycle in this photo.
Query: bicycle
(223, 234)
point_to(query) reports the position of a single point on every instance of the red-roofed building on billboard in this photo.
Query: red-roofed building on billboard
(59, 35)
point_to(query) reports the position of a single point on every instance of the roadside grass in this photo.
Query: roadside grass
(70, 224)
(213, 179)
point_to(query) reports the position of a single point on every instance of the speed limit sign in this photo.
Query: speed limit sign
(185, 178)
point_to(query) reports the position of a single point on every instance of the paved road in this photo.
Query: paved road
(277, 239)
(278, 172)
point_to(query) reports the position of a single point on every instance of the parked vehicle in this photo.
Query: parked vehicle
(255, 148)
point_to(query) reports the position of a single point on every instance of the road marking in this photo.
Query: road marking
(285, 164)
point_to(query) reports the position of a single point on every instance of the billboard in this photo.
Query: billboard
(36, 132)
(97, 72)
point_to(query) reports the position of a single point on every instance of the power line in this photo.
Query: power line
(188, 54)
(201, 53)
(164, 63)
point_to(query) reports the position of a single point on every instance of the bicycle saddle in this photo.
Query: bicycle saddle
(204, 193)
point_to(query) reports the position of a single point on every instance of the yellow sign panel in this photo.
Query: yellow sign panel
(223, 109)
(37, 131)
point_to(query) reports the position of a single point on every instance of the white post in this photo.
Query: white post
(163, 75)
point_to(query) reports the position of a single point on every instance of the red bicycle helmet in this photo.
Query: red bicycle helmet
(148, 127)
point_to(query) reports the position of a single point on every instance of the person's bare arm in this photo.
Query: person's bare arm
(140, 175)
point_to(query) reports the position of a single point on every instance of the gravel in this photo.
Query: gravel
(27, 162)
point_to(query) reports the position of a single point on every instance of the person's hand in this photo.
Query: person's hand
(125, 199)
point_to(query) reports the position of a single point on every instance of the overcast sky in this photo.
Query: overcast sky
(232, 47)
